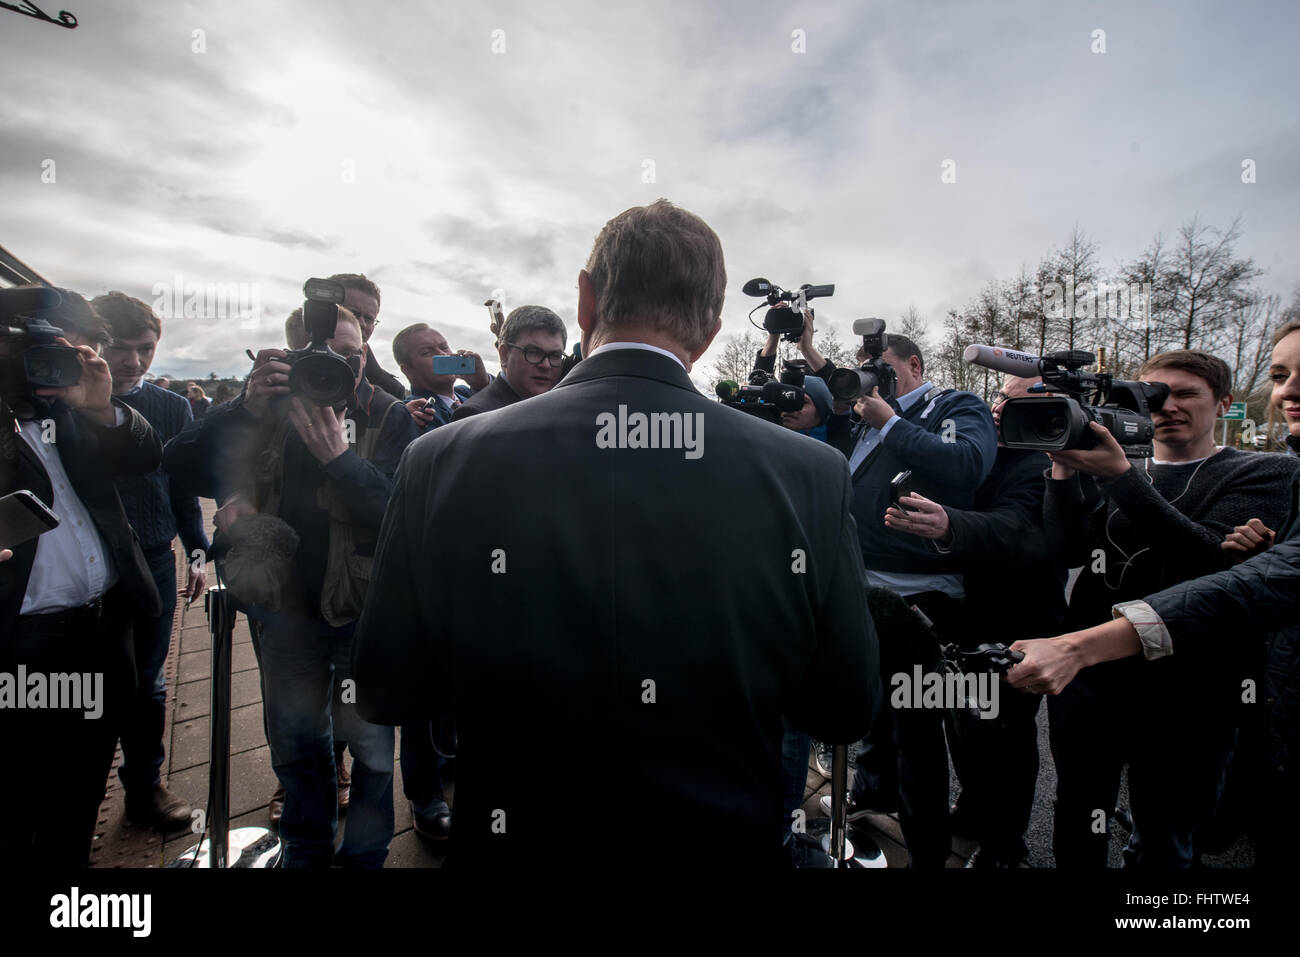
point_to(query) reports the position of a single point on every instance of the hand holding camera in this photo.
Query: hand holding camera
(321, 429)
(1106, 459)
(270, 380)
(91, 394)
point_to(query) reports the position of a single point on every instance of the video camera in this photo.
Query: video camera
(318, 373)
(33, 359)
(875, 373)
(784, 321)
(1056, 423)
(765, 396)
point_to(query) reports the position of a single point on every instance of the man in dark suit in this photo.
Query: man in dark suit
(66, 597)
(531, 349)
(664, 606)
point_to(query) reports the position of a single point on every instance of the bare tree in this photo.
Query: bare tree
(830, 346)
(913, 325)
(737, 357)
(1205, 283)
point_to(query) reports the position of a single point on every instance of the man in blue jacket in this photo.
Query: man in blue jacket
(947, 440)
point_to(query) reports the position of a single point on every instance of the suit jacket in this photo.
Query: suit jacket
(659, 611)
(376, 375)
(92, 456)
(497, 395)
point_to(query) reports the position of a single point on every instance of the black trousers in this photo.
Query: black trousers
(904, 760)
(61, 756)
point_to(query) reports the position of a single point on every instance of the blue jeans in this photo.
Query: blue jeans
(794, 773)
(146, 716)
(302, 659)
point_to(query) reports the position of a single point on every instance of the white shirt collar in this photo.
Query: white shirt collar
(611, 346)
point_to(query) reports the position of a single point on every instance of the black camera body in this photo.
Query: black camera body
(317, 373)
(1058, 422)
(875, 373)
(34, 359)
(782, 320)
(765, 396)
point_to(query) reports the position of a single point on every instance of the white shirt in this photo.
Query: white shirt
(611, 346)
(72, 565)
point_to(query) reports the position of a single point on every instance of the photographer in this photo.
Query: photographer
(361, 298)
(1188, 621)
(302, 468)
(1135, 530)
(157, 512)
(822, 417)
(947, 441)
(1004, 550)
(67, 596)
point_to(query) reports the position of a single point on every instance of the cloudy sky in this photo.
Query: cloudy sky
(450, 149)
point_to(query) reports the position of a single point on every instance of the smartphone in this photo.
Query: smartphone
(898, 487)
(453, 365)
(23, 516)
(497, 313)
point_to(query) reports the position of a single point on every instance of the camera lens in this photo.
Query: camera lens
(1050, 426)
(322, 379)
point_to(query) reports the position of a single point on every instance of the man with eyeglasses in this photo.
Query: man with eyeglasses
(531, 349)
(361, 298)
(433, 398)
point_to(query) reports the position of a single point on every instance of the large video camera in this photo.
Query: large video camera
(1054, 423)
(782, 320)
(318, 373)
(765, 396)
(847, 384)
(33, 360)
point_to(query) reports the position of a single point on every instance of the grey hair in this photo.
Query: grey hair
(532, 319)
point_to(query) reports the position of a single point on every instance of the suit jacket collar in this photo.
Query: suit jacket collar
(630, 362)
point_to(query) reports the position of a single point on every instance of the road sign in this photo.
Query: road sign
(1237, 411)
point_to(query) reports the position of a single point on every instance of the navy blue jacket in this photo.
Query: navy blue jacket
(943, 470)
(154, 503)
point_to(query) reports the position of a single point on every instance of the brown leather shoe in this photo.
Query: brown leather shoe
(345, 787)
(160, 809)
(277, 803)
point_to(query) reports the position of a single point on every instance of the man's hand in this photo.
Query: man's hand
(321, 429)
(1107, 460)
(92, 396)
(806, 337)
(874, 410)
(1048, 666)
(231, 512)
(478, 379)
(194, 582)
(1248, 540)
(5, 554)
(927, 519)
(270, 379)
(422, 411)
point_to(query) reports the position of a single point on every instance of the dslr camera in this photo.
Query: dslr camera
(1059, 421)
(33, 360)
(847, 384)
(317, 373)
(785, 321)
(765, 396)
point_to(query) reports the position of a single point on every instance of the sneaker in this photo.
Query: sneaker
(822, 759)
(856, 812)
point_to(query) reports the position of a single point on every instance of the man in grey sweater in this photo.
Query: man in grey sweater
(1136, 529)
